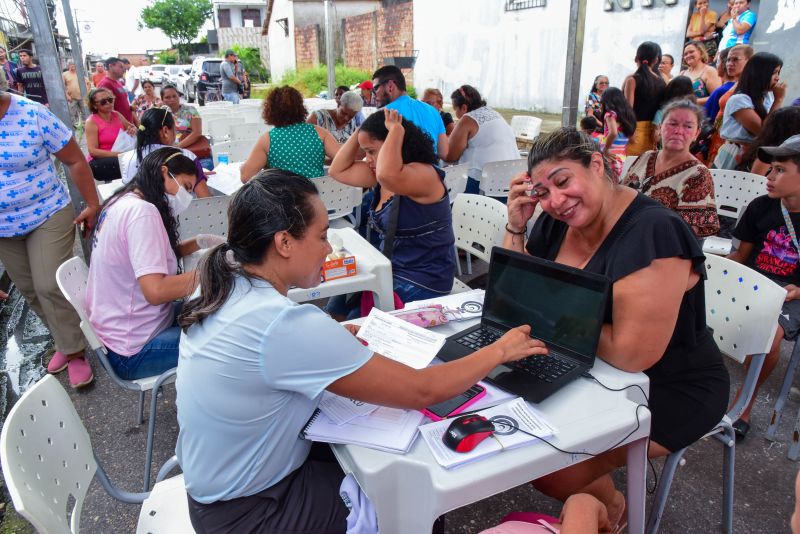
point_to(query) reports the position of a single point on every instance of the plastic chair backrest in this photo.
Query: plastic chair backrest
(71, 277)
(47, 457)
(247, 130)
(455, 180)
(479, 224)
(219, 104)
(220, 127)
(497, 176)
(339, 199)
(526, 127)
(368, 110)
(238, 149)
(205, 216)
(733, 190)
(742, 307)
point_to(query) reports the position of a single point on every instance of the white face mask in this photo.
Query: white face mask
(179, 202)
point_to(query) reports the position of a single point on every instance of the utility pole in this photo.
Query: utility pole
(572, 80)
(329, 50)
(47, 55)
(77, 53)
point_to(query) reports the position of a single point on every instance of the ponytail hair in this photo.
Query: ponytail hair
(149, 129)
(273, 201)
(466, 95)
(647, 76)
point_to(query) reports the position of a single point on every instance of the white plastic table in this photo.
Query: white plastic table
(410, 491)
(373, 273)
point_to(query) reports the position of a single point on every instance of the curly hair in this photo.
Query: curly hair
(90, 97)
(417, 145)
(283, 106)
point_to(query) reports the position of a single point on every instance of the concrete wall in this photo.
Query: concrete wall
(778, 31)
(249, 37)
(236, 13)
(517, 59)
(612, 37)
(281, 47)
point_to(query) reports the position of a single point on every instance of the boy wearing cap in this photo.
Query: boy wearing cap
(769, 245)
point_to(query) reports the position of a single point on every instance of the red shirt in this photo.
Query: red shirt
(121, 103)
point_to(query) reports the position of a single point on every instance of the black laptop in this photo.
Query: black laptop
(564, 308)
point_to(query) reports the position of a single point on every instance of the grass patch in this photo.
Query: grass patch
(311, 82)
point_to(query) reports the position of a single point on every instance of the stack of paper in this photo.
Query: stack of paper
(508, 418)
(386, 429)
(404, 342)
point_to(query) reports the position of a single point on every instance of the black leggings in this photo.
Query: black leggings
(105, 169)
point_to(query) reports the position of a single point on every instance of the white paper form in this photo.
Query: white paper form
(507, 417)
(341, 410)
(401, 341)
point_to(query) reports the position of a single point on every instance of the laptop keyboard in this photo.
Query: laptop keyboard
(547, 368)
(544, 367)
(477, 339)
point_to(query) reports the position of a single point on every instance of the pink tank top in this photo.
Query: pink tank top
(106, 131)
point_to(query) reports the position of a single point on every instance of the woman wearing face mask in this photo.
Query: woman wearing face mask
(133, 278)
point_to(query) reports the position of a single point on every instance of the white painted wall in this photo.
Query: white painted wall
(612, 37)
(518, 59)
(514, 59)
(236, 12)
(281, 47)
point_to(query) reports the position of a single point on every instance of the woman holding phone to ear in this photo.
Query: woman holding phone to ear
(656, 266)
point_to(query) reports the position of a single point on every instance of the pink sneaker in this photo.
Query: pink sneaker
(57, 363)
(80, 373)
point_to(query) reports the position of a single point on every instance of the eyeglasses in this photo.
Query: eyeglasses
(104, 101)
(375, 87)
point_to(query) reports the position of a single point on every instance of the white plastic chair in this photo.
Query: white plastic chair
(733, 191)
(526, 128)
(497, 175)
(104, 191)
(247, 130)
(205, 216)
(237, 149)
(742, 308)
(478, 224)
(455, 180)
(340, 200)
(47, 458)
(218, 104)
(219, 129)
(72, 276)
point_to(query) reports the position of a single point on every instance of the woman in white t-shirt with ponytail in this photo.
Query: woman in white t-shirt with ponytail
(481, 135)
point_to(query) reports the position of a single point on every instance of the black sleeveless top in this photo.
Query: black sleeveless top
(647, 231)
(647, 102)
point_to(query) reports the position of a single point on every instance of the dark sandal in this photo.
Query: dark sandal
(740, 428)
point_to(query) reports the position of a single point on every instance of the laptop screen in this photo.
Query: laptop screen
(563, 306)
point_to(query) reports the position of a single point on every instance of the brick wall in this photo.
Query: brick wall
(306, 46)
(371, 37)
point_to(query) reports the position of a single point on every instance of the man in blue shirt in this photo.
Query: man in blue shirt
(389, 87)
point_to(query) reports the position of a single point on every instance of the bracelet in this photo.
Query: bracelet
(512, 232)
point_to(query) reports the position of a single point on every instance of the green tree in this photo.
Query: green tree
(251, 58)
(180, 20)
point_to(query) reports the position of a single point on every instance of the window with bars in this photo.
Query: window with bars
(519, 5)
(253, 15)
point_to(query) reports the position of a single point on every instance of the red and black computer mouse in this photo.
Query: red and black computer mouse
(466, 432)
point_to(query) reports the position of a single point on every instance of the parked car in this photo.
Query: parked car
(154, 73)
(203, 76)
(179, 80)
(171, 73)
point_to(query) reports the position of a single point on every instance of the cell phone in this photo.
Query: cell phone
(456, 405)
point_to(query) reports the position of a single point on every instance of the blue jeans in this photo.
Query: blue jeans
(231, 97)
(343, 305)
(158, 355)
